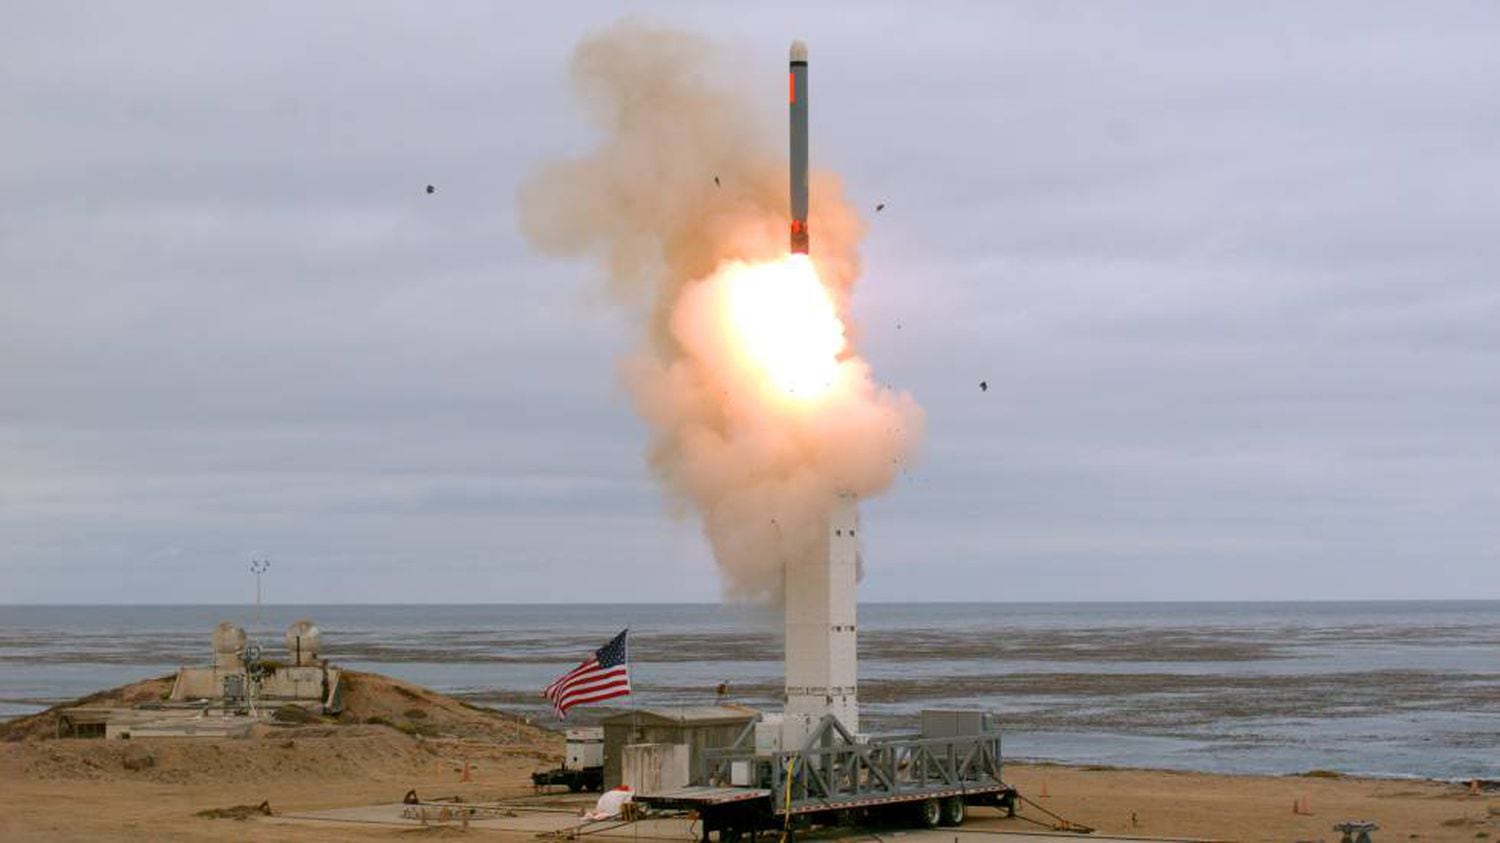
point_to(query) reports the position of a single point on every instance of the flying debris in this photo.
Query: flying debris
(431, 189)
(984, 386)
(880, 207)
(716, 181)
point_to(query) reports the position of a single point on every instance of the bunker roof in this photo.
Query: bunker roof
(687, 715)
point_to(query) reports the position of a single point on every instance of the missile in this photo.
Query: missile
(797, 93)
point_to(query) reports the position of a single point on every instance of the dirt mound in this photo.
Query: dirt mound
(388, 728)
(351, 752)
(295, 715)
(237, 812)
(44, 723)
(414, 710)
(369, 698)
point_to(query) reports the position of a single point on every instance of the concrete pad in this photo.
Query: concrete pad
(398, 814)
(531, 821)
(942, 835)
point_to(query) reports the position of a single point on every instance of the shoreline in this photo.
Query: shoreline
(718, 603)
(1087, 766)
(1324, 774)
(1269, 688)
(395, 736)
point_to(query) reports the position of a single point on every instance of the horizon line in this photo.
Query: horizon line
(727, 604)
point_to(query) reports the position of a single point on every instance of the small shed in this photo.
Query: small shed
(699, 727)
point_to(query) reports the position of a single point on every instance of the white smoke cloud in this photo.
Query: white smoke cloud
(761, 410)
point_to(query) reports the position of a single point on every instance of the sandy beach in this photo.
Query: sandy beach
(398, 737)
(120, 805)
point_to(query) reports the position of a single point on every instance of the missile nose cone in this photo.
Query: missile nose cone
(799, 51)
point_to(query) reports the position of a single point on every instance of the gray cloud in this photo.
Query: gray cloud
(1230, 272)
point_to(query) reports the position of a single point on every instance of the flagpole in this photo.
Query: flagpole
(635, 715)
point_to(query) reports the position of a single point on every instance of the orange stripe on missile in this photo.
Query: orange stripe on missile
(791, 88)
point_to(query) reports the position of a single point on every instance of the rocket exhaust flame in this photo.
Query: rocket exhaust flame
(762, 413)
(783, 325)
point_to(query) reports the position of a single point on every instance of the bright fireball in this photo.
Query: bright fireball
(783, 325)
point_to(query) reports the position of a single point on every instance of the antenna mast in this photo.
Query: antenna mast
(258, 567)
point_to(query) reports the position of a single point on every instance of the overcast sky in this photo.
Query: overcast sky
(1231, 271)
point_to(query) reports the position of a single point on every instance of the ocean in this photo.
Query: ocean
(1395, 689)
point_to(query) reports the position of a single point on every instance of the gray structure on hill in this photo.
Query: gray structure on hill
(240, 688)
(241, 674)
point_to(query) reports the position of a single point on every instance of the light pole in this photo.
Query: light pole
(258, 567)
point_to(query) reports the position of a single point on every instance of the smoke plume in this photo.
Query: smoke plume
(761, 410)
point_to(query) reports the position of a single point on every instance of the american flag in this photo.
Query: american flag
(604, 675)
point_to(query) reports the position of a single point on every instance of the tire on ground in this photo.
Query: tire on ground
(929, 813)
(953, 810)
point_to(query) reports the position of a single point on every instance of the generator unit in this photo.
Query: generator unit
(583, 763)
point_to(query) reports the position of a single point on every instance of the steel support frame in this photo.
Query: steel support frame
(833, 770)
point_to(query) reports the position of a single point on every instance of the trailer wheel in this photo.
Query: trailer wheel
(953, 810)
(929, 813)
(575, 786)
(1007, 802)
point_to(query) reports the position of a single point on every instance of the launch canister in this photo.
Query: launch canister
(798, 95)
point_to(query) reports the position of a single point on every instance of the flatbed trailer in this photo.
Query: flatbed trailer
(835, 780)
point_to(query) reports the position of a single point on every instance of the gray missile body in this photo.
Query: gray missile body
(798, 96)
